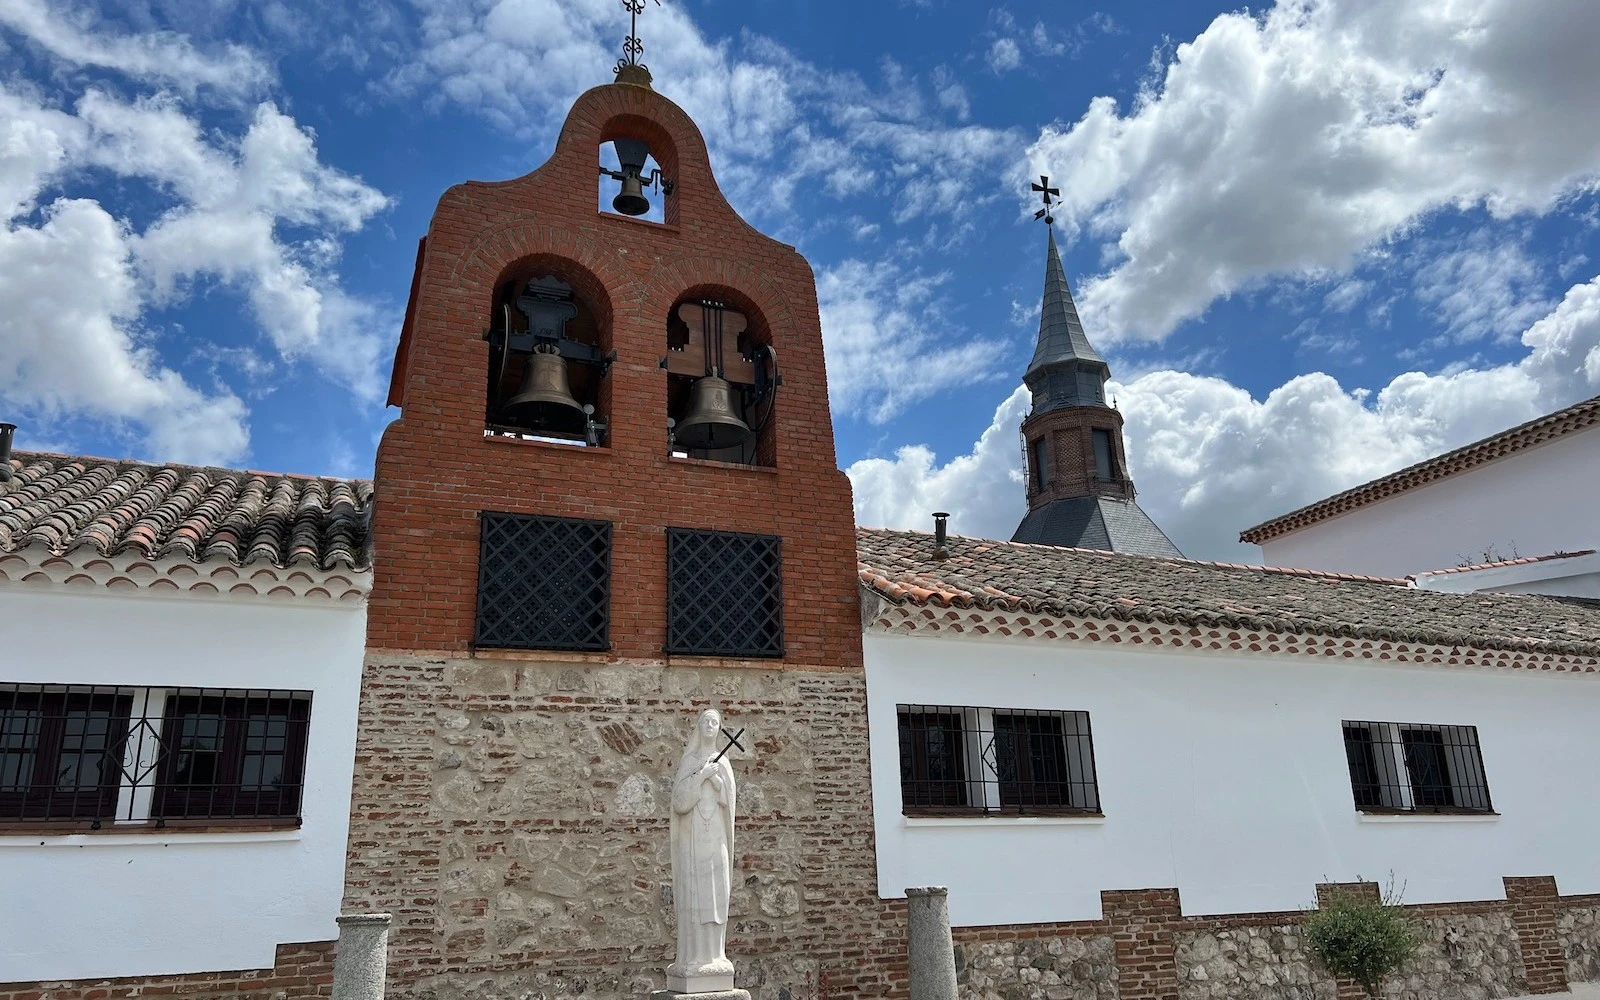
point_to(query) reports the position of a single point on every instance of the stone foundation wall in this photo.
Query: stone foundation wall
(1579, 930)
(512, 815)
(1048, 967)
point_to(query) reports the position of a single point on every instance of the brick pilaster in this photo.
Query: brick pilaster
(1534, 902)
(1142, 924)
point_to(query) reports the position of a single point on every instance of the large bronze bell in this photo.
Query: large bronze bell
(631, 155)
(544, 401)
(710, 422)
(631, 200)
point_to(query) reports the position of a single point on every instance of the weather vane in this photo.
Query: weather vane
(632, 47)
(1047, 213)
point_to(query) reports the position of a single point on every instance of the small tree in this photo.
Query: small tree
(1367, 940)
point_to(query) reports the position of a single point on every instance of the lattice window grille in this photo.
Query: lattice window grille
(544, 583)
(724, 593)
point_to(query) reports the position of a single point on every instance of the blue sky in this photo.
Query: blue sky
(1316, 242)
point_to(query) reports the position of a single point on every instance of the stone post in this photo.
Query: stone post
(933, 953)
(361, 957)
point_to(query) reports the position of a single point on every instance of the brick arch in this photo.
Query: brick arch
(762, 300)
(586, 285)
(494, 250)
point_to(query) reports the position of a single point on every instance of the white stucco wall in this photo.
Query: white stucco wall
(130, 904)
(1225, 776)
(1533, 503)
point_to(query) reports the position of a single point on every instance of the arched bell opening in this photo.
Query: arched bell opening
(638, 167)
(549, 352)
(722, 379)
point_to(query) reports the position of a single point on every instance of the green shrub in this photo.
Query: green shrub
(1361, 939)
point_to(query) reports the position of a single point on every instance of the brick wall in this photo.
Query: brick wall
(1069, 436)
(512, 815)
(299, 970)
(435, 470)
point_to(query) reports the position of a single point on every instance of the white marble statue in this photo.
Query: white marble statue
(702, 861)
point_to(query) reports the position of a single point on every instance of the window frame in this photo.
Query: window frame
(41, 800)
(137, 781)
(995, 781)
(682, 627)
(1105, 463)
(1452, 781)
(1039, 458)
(597, 618)
(179, 801)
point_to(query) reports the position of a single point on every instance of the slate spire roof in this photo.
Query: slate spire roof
(1066, 370)
(62, 503)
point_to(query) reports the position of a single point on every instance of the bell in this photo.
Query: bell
(543, 401)
(631, 200)
(710, 423)
(631, 155)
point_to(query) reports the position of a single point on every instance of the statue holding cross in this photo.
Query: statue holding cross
(703, 806)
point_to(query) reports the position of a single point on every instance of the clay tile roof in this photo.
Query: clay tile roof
(1578, 417)
(64, 503)
(1090, 583)
(1523, 561)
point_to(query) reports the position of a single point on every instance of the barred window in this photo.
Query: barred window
(996, 760)
(150, 754)
(724, 593)
(1413, 767)
(544, 583)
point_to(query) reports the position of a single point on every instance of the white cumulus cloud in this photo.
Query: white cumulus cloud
(1286, 143)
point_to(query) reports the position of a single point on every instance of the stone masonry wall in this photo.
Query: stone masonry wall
(1579, 930)
(1048, 967)
(513, 817)
(1464, 956)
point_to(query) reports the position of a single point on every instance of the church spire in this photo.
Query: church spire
(1079, 490)
(1065, 370)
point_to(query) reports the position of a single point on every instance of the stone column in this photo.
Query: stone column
(361, 957)
(933, 954)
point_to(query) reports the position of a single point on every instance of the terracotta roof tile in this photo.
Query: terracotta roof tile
(64, 502)
(1578, 417)
(1523, 561)
(1047, 580)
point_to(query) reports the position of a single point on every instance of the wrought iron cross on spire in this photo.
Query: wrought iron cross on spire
(1047, 213)
(632, 47)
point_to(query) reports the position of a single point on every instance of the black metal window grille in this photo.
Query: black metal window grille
(724, 593)
(996, 760)
(544, 583)
(98, 753)
(1412, 767)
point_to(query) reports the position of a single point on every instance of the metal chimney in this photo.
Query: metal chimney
(7, 432)
(940, 551)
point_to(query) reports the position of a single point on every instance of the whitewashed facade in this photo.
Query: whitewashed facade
(1225, 775)
(178, 702)
(1535, 501)
(129, 899)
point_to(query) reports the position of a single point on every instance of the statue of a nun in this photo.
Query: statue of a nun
(702, 861)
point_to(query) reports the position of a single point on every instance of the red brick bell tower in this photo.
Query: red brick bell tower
(572, 559)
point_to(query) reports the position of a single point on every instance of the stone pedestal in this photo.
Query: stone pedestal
(714, 995)
(361, 958)
(933, 954)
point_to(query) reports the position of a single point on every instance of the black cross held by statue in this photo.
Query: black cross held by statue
(733, 741)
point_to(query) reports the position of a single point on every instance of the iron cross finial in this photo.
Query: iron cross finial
(1047, 213)
(632, 47)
